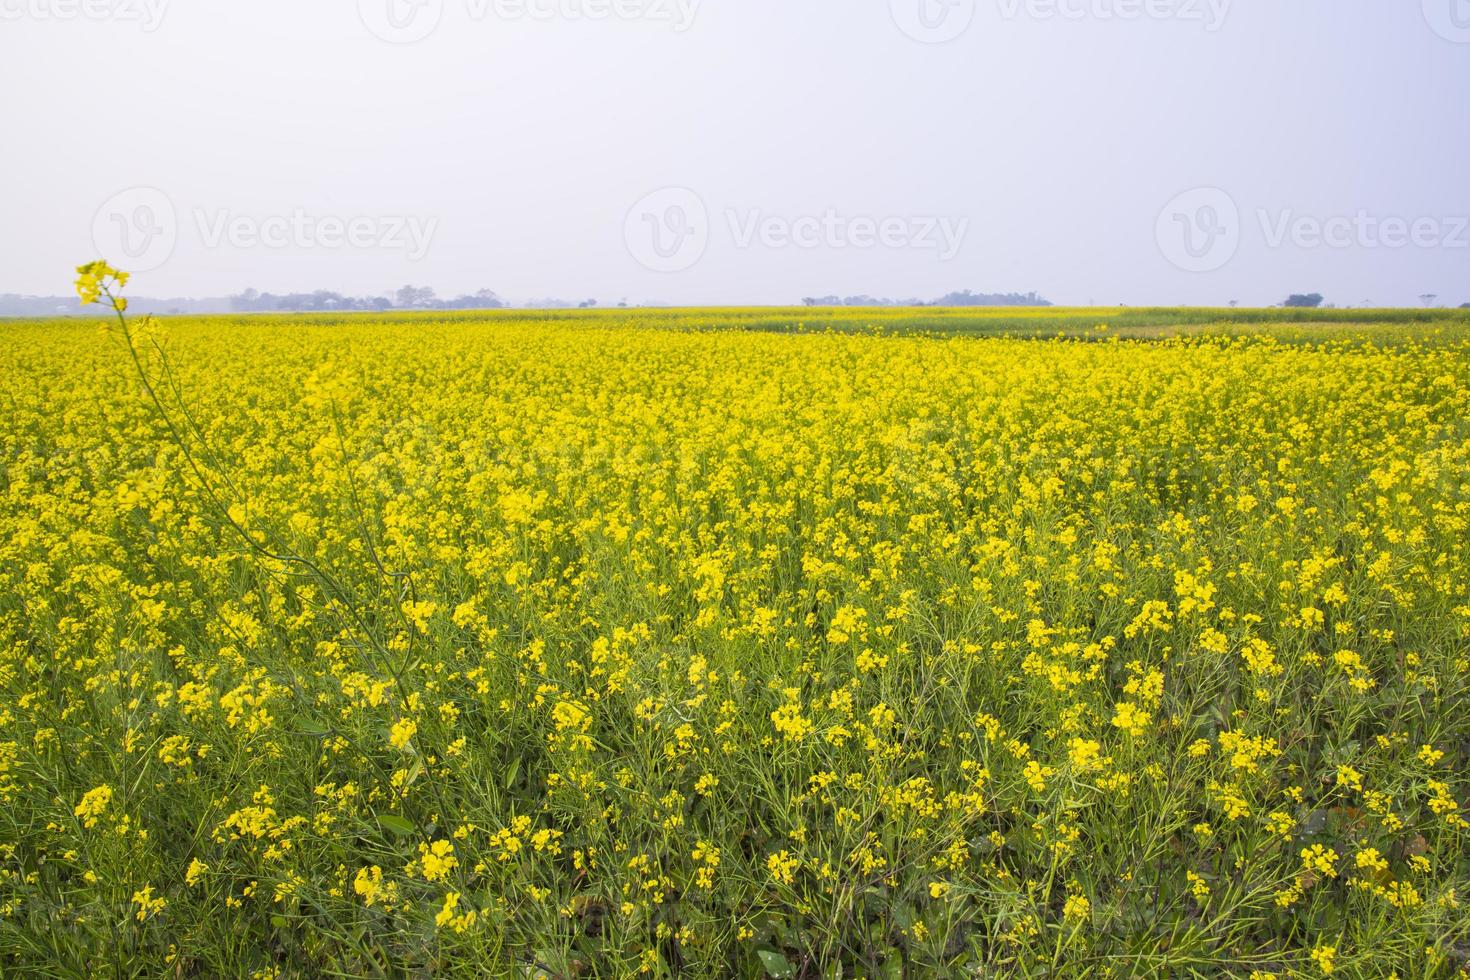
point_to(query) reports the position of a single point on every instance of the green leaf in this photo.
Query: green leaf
(396, 824)
(903, 916)
(512, 772)
(315, 729)
(776, 965)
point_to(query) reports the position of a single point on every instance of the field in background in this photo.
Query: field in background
(1296, 325)
(788, 643)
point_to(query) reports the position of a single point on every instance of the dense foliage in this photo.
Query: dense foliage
(536, 646)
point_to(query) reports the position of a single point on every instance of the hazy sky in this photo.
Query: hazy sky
(742, 151)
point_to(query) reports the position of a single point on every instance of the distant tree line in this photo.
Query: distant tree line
(12, 304)
(405, 298)
(424, 298)
(962, 298)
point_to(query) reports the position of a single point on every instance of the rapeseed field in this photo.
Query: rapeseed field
(538, 647)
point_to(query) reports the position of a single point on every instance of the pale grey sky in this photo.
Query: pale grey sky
(742, 151)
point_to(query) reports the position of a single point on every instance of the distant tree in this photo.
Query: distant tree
(246, 301)
(587, 304)
(484, 299)
(962, 298)
(1303, 301)
(967, 298)
(1234, 303)
(1465, 306)
(415, 298)
(1428, 298)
